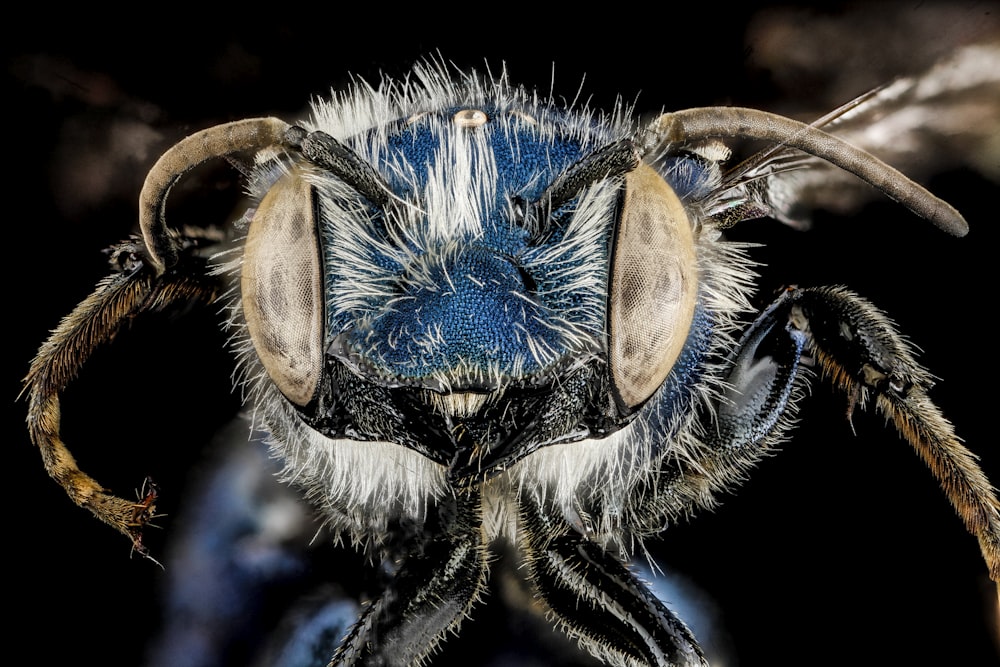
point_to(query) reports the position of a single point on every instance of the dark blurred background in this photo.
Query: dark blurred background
(841, 549)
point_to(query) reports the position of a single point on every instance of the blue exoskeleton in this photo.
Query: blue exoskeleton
(474, 321)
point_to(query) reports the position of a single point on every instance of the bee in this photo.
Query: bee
(477, 324)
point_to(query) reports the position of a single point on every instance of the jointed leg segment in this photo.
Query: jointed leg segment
(133, 289)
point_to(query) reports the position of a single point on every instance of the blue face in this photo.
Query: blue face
(472, 282)
(481, 299)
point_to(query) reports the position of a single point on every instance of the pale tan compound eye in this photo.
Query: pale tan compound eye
(654, 286)
(282, 290)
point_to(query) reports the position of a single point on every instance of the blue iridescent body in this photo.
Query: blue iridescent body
(484, 330)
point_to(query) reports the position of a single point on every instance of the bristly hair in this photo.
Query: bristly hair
(363, 492)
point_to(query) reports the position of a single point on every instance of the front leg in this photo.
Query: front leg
(598, 600)
(433, 592)
(857, 347)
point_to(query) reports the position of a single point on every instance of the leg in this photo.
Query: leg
(599, 601)
(134, 288)
(433, 592)
(858, 348)
(855, 346)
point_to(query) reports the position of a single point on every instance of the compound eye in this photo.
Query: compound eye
(653, 290)
(281, 288)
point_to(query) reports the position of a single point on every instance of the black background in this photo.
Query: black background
(840, 549)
